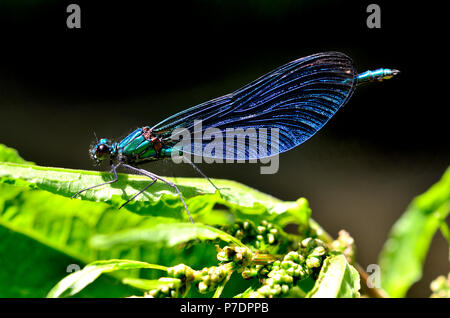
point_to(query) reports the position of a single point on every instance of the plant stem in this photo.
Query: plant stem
(219, 289)
(320, 232)
(374, 292)
(445, 231)
(156, 266)
(263, 258)
(327, 238)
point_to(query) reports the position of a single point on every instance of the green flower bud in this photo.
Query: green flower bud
(291, 271)
(344, 244)
(293, 256)
(318, 251)
(269, 281)
(438, 283)
(299, 272)
(313, 262)
(285, 264)
(164, 289)
(287, 279)
(206, 279)
(197, 276)
(276, 290)
(222, 256)
(306, 242)
(301, 259)
(221, 273)
(181, 271)
(264, 271)
(238, 257)
(249, 273)
(153, 293)
(441, 287)
(284, 289)
(264, 290)
(202, 287)
(274, 231)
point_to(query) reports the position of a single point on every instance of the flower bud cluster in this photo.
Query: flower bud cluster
(265, 233)
(240, 256)
(206, 279)
(183, 272)
(295, 265)
(211, 277)
(441, 287)
(169, 290)
(278, 274)
(345, 244)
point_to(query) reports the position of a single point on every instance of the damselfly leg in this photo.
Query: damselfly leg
(146, 173)
(134, 196)
(154, 176)
(202, 173)
(113, 170)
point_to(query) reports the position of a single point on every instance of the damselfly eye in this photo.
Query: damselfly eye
(101, 151)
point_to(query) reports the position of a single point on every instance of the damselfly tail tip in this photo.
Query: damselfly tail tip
(388, 74)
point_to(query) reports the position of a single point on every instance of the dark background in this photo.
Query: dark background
(135, 63)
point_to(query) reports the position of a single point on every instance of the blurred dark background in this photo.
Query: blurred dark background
(134, 64)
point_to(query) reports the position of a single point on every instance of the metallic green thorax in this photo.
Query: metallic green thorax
(141, 146)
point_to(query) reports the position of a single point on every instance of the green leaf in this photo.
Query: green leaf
(169, 234)
(148, 284)
(159, 200)
(62, 223)
(337, 279)
(75, 282)
(403, 255)
(248, 292)
(445, 231)
(31, 269)
(41, 234)
(11, 155)
(37, 214)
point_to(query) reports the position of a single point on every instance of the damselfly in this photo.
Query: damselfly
(297, 99)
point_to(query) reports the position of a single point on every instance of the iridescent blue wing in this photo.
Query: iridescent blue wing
(295, 100)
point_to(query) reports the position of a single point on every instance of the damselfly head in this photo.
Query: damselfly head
(101, 150)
